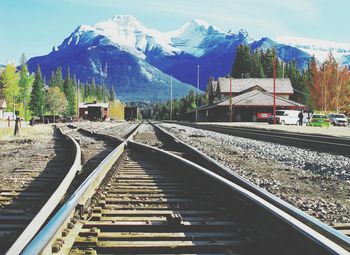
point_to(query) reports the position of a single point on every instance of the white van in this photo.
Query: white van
(285, 117)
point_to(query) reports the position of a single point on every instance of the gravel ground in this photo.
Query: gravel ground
(317, 183)
(118, 129)
(20, 152)
(31, 167)
(147, 135)
(331, 131)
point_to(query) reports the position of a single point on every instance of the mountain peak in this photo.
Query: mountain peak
(200, 22)
(125, 21)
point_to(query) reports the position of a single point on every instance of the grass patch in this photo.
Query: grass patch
(25, 132)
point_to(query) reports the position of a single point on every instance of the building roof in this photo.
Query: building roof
(254, 98)
(283, 86)
(86, 105)
(259, 98)
(2, 103)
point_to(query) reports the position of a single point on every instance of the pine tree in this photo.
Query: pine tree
(256, 70)
(37, 97)
(238, 63)
(25, 84)
(93, 88)
(246, 60)
(111, 94)
(243, 61)
(69, 91)
(56, 79)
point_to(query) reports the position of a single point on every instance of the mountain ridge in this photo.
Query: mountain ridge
(156, 55)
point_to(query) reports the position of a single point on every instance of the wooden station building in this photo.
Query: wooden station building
(252, 99)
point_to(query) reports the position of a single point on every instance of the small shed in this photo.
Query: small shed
(131, 113)
(94, 111)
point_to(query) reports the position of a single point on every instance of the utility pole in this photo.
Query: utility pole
(171, 97)
(282, 69)
(230, 110)
(196, 112)
(78, 98)
(274, 90)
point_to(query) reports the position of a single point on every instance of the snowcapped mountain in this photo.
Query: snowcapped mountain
(319, 48)
(138, 60)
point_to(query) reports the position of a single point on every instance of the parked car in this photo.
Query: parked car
(338, 119)
(285, 117)
(320, 120)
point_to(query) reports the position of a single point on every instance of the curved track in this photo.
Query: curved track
(147, 200)
(24, 210)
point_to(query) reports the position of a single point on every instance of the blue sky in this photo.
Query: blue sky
(33, 27)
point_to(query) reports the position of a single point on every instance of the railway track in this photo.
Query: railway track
(145, 200)
(40, 182)
(323, 143)
(29, 201)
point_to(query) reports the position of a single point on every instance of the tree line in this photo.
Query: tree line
(180, 107)
(324, 86)
(31, 96)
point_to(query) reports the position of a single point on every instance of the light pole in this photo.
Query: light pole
(196, 112)
(274, 90)
(230, 110)
(171, 97)
(78, 99)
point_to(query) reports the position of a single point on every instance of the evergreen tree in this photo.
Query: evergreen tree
(56, 79)
(111, 94)
(93, 88)
(242, 63)
(246, 60)
(256, 70)
(267, 63)
(69, 92)
(25, 84)
(210, 93)
(37, 97)
(238, 63)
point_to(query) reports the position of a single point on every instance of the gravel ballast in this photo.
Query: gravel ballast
(317, 183)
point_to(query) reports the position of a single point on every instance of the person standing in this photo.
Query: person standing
(301, 117)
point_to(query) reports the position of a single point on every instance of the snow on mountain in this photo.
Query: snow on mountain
(140, 60)
(190, 37)
(319, 48)
(129, 34)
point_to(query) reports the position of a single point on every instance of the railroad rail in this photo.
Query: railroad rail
(93, 150)
(204, 160)
(15, 215)
(143, 199)
(323, 143)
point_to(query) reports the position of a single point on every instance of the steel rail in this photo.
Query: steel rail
(321, 143)
(216, 167)
(44, 213)
(283, 216)
(80, 196)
